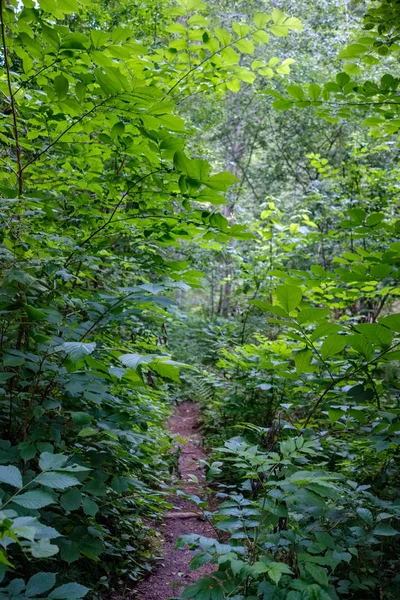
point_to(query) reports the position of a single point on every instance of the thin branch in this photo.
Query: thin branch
(86, 114)
(116, 207)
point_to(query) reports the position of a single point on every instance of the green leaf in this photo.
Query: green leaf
(362, 345)
(391, 321)
(132, 361)
(282, 104)
(275, 571)
(221, 182)
(69, 591)
(335, 414)
(43, 549)
(49, 461)
(90, 507)
(319, 574)
(302, 361)
(314, 91)
(384, 530)
(35, 314)
(324, 329)
(11, 475)
(69, 551)
(342, 79)
(58, 481)
(288, 296)
(39, 583)
(245, 46)
(377, 334)
(333, 344)
(366, 515)
(88, 432)
(77, 350)
(34, 500)
(261, 37)
(296, 92)
(312, 315)
(61, 86)
(261, 20)
(71, 500)
(353, 51)
(6, 376)
(374, 219)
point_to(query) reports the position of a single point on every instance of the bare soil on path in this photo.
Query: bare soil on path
(172, 574)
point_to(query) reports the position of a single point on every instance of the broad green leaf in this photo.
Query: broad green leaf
(377, 334)
(385, 530)
(288, 296)
(302, 361)
(324, 329)
(312, 315)
(335, 414)
(69, 591)
(90, 507)
(296, 92)
(361, 345)
(332, 345)
(44, 549)
(50, 462)
(353, 51)
(78, 350)
(314, 91)
(61, 86)
(261, 20)
(275, 571)
(245, 46)
(319, 574)
(58, 481)
(132, 361)
(221, 182)
(392, 322)
(34, 500)
(40, 583)
(11, 475)
(71, 500)
(366, 515)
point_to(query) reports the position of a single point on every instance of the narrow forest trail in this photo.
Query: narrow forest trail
(173, 573)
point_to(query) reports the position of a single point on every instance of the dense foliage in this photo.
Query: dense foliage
(132, 274)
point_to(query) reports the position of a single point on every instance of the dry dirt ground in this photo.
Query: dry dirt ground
(172, 573)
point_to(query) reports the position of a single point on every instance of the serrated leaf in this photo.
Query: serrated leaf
(69, 591)
(361, 345)
(43, 549)
(49, 461)
(385, 530)
(34, 500)
(58, 481)
(90, 507)
(333, 344)
(71, 500)
(302, 360)
(11, 475)
(288, 296)
(77, 350)
(132, 361)
(40, 583)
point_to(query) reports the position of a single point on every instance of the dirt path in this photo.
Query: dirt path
(173, 574)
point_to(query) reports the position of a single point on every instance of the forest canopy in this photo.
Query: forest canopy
(199, 200)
